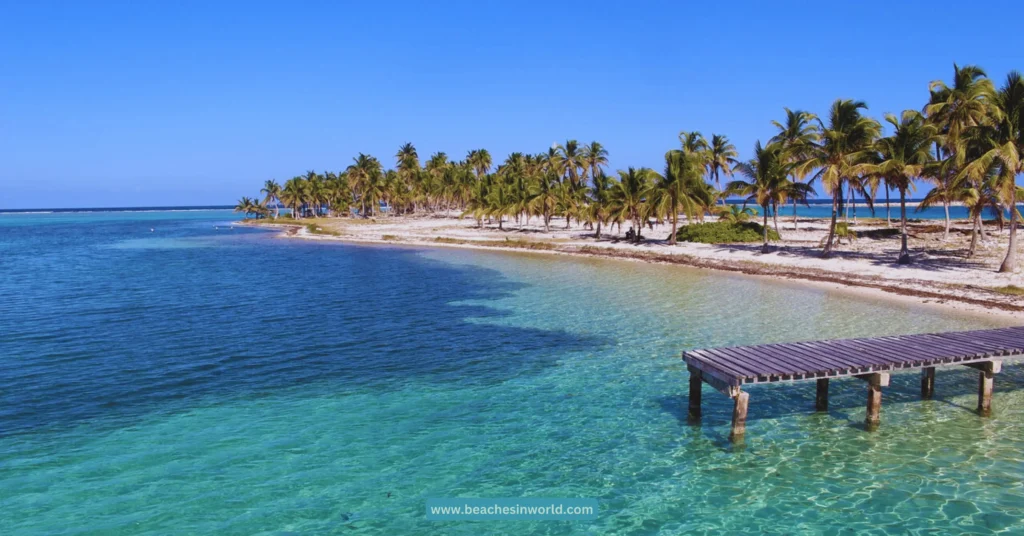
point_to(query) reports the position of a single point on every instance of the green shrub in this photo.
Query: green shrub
(1011, 290)
(723, 232)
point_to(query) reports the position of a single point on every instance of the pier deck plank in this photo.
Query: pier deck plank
(811, 360)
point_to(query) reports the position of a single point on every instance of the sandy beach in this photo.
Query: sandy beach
(940, 274)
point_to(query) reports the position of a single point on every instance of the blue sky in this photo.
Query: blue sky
(145, 103)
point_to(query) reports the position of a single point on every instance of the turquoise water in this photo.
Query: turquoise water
(202, 379)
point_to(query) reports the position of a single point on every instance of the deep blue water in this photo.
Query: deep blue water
(166, 372)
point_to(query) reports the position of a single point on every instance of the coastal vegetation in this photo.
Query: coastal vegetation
(965, 142)
(726, 232)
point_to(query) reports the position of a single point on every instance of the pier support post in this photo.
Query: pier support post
(821, 397)
(875, 383)
(739, 416)
(927, 382)
(986, 384)
(695, 389)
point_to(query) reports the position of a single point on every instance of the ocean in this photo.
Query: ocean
(169, 373)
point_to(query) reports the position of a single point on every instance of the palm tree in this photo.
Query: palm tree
(798, 135)
(480, 160)
(720, 157)
(965, 104)
(315, 191)
(594, 156)
(272, 194)
(681, 187)
(843, 152)
(245, 206)
(339, 195)
(294, 195)
(407, 162)
(956, 110)
(500, 203)
(600, 195)
(767, 181)
(904, 155)
(1003, 145)
(944, 191)
(735, 213)
(570, 160)
(544, 197)
(364, 175)
(629, 197)
(693, 142)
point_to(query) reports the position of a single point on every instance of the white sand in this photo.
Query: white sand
(940, 272)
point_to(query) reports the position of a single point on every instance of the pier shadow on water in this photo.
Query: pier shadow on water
(124, 332)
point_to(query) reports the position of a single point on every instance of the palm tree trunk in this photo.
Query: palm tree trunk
(981, 226)
(1010, 262)
(974, 237)
(277, 208)
(764, 228)
(718, 182)
(675, 223)
(888, 218)
(904, 252)
(945, 234)
(832, 228)
(794, 214)
(775, 217)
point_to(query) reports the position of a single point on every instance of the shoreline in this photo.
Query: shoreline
(962, 298)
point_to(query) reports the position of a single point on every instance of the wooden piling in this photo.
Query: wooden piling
(875, 383)
(927, 382)
(986, 384)
(695, 391)
(821, 397)
(739, 416)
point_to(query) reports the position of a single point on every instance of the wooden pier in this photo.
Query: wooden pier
(870, 359)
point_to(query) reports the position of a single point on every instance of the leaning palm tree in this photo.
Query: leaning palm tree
(720, 156)
(245, 205)
(904, 155)
(767, 181)
(272, 194)
(1003, 145)
(844, 151)
(680, 188)
(798, 134)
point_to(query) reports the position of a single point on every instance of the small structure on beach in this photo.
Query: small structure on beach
(870, 359)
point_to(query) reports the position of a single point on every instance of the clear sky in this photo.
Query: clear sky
(173, 103)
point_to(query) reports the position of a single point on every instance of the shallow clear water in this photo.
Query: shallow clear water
(193, 379)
